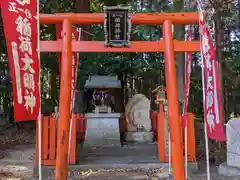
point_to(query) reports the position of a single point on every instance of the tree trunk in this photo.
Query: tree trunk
(121, 92)
(219, 34)
(83, 6)
(115, 2)
(178, 6)
(110, 2)
(53, 81)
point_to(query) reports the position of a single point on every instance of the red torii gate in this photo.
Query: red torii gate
(167, 45)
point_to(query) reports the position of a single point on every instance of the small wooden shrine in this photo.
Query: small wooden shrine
(102, 120)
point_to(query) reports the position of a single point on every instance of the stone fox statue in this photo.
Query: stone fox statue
(138, 113)
(102, 98)
(96, 98)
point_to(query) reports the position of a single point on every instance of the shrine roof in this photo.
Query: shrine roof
(102, 82)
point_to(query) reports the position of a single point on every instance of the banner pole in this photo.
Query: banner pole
(186, 150)
(39, 84)
(189, 36)
(169, 158)
(205, 125)
(73, 99)
(205, 129)
(207, 151)
(183, 116)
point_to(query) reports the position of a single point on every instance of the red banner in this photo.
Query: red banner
(211, 86)
(188, 69)
(20, 28)
(75, 36)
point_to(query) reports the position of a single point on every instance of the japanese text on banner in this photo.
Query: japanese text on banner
(211, 86)
(20, 28)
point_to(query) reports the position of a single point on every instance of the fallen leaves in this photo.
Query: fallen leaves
(9, 176)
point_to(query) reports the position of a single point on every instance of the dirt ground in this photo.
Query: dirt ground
(17, 152)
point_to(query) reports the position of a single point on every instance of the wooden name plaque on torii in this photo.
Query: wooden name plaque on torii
(117, 26)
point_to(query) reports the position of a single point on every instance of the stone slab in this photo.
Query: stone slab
(233, 142)
(130, 156)
(102, 130)
(225, 170)
(139, 137)
(119, 176)
(102, 115)
(192, 166)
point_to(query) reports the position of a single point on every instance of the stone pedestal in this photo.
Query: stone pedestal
(233, 142)
(232, 166)
(102, 130)
(225, 170)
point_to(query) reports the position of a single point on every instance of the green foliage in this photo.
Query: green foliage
(133, 63)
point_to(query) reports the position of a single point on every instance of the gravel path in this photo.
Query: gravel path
(20, 170)
(16, 163)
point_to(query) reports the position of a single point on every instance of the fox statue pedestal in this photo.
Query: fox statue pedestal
(102, 130)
